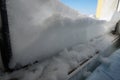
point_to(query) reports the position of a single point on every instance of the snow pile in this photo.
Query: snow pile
(105, 72)
(55, 68)
(42, 28)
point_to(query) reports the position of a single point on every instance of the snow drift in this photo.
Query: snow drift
(59, 66)
(55, 68)
(42, 28)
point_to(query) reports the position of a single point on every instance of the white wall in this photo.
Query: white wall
(108, 8)
(119, 6)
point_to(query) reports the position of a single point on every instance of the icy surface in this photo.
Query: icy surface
(105, 72)
(47, 27)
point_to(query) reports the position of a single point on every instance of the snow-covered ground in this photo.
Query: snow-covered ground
(109, 70)
(56, 35)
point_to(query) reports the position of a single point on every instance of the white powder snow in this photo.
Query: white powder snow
(55, 68)
(42, 28)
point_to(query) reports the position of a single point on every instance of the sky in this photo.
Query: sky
(83, 6)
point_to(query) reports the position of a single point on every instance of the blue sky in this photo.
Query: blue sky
(83, 6)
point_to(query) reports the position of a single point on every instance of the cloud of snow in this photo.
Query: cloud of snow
(42, 28)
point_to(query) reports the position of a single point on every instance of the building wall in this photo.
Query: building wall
(106, 9)
(119, 6)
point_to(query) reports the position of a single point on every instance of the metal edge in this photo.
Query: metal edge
(5, 44)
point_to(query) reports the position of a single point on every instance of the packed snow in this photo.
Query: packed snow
(108, 72)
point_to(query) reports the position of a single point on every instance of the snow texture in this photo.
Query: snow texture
(41, 28)
(58, 67)
(110, 72)
(55, 68)
(44, 28)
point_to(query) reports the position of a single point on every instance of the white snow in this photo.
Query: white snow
(110, 72)
(41, 28)
(55, 68)
(58, 67)
(105, 61)
(59, 36)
